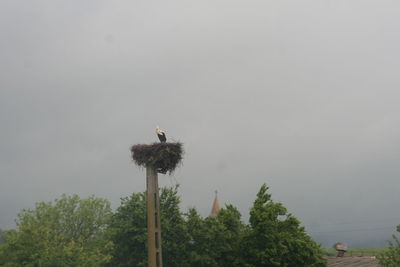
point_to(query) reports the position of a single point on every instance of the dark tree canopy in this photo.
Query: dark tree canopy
(187, 239)
(84, 232)
(190, 240)
(1, 236)
(275, 238)
(129, 233)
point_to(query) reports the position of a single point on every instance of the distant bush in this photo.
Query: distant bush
(391, 256)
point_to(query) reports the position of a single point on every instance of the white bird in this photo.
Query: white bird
(161, 135)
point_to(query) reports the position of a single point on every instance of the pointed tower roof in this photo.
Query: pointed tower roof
(216, 207)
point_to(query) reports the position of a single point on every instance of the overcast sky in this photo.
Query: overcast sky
(301, 95)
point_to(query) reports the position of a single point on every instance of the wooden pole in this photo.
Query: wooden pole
(153, 219)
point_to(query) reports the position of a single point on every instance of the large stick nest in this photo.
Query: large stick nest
(164, 157)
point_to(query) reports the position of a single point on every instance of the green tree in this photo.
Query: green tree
(129, 233)
(1, 236)
(275, 238)
(391, 256)
(187, 239)
(68, 232)
(214, 241)
(173, 229)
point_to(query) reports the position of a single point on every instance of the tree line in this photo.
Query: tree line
(71, 231)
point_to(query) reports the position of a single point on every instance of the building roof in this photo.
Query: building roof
(353, 262)
(216, 207)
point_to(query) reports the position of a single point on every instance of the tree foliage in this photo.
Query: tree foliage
(187, 239)
(275, 238)
(129, 233)
(1, 236)
(391, 256)
(214, 241)
(173, 229)
(68, 232)
(75, 232)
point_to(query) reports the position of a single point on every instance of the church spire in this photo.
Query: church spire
(216, 207)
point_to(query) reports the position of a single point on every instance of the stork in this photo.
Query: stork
(161, 135)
